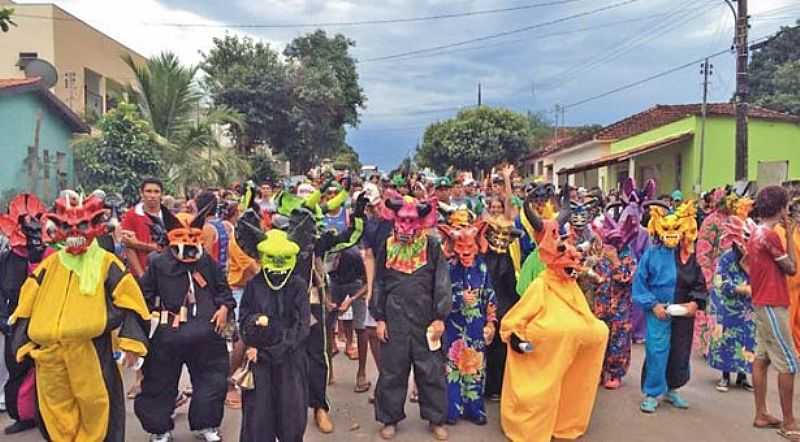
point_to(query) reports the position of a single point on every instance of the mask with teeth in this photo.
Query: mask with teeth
(278, 258)
(185, 233)
(410, 217)
(78, 223)
(23, 225)
(500, 234)
(674, 228)
(464, 242)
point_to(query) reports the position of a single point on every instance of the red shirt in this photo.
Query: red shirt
(767, 280)
(139, 223)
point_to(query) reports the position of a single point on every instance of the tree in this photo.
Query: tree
(249, 77)
(540, 131)
(774, 72)
(475, 140)
(262, 168)
(5, 19)
(128, 144)
(347, 159)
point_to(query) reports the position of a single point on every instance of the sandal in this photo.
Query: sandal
(362, 387)
(793, 435)
(233, 400)
(134, 391)
(181, 400)
(769, 422)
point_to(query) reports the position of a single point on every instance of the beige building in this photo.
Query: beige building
(91, 72)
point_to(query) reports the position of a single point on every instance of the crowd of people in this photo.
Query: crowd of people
(476, 290)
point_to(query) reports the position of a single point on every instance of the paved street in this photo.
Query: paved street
(712, 417)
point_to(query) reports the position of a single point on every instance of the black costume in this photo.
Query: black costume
(276, 408)
(409, 303)
(166, 287)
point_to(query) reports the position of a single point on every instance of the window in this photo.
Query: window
(61, 159)
(540, 168)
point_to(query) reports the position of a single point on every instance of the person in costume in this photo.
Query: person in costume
(793, 281)
(68, 308)
(23, 228)
(274, 325)
(188, 291)
(711, 244)
(471, 324)
(411, 299)
(612, 302)
(732, 340)
(557, 348)
(669, 286)
(539, 204)
(301, 218)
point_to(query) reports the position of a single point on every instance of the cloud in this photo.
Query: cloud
(533, 70)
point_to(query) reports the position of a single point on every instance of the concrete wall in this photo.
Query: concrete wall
(17, 124)
(579, 154)
(32, 34)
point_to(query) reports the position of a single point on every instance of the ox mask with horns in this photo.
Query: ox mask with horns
(410, 217)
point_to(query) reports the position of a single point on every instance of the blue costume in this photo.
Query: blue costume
(464, 339)
(662, 278)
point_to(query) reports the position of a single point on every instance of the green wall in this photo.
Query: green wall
(675, 128)
(17, 125)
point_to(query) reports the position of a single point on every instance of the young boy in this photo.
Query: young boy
(768, 264)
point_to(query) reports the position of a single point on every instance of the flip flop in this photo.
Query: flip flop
(792, 435)
(413, 398)
(134, 391)
(363, 388)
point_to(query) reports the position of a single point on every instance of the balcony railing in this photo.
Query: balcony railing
(94, 103)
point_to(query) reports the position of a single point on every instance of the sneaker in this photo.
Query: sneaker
(676, 400)
(723, 385)
(649, 405)
(747, 386)
(166, 437)
(208, 435)
(2, 402)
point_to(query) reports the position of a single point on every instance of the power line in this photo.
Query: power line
(499, 34)
(655, 76)
(342, 23)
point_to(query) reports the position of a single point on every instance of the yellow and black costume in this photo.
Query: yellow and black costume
(68, 309)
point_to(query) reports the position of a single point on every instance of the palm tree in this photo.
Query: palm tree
(169, 99)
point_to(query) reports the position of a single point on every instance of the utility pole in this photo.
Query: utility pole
(557, 112)
(742, 87)
(479, 95)
(706, 69)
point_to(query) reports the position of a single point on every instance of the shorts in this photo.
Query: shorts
(359, 308)
(369, 321)
(774, 339)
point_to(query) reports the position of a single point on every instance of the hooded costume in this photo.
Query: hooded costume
(411, 291)
(557, 348)
(301, 218)
(67, 310)
(275, 320)
(539, 204)
(623, 223)
(471, 322)
(184, 287)
(668, 274)
(23, 228)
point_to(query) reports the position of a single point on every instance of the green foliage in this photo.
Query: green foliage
(5, 19)
(347, 159)
(297, 108)
(540, 130)
(774, 72)
(475, 140)
(262, 168)
(125, 151)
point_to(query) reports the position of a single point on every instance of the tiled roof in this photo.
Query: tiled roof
(656, 116)
(661, 115)
(14, 82)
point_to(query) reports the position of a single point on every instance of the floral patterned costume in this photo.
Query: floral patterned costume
(732, 340)
(464, 339)
(612, 305)
(710, 246)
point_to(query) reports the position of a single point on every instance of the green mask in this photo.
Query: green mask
(278, 258)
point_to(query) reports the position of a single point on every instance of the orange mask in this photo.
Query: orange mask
(185, 233)
(464, 242)
(558, 255)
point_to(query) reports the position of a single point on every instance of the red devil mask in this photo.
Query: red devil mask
(465, 242)
(79, 223)
(23, 225)
(410, 217)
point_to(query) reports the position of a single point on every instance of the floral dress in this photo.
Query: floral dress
(708, 250)
(732, 340)
(612, 305)
(464, 341)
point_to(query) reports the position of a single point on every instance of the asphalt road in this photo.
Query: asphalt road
(712, 416)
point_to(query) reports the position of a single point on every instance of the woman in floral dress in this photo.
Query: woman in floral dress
(470, 325)
(732, 340)
(612, 305)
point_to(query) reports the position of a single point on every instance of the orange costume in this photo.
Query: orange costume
(794, 289)
(566, 360)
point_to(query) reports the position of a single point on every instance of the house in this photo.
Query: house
(91, 71)
(564, 154)
(37, 131)
(664, 143)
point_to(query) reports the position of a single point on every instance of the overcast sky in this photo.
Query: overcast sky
(565, 62)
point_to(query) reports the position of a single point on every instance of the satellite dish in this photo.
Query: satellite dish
(42, 69)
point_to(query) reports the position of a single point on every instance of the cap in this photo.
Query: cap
(677, 195)
(305, 190)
